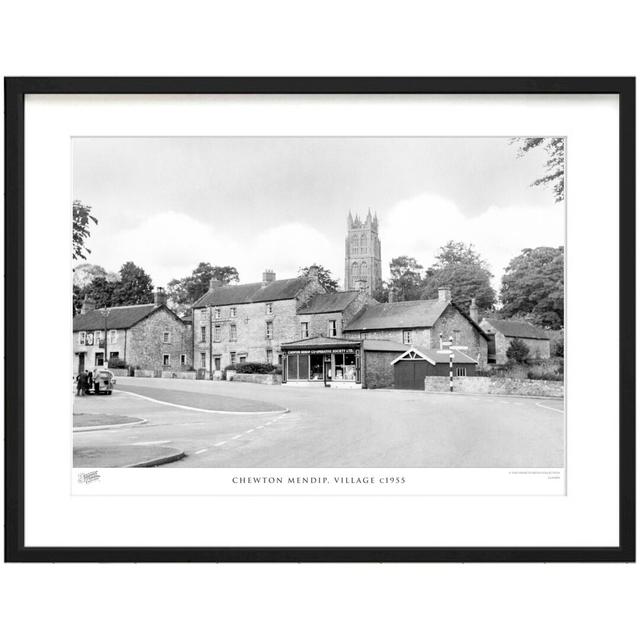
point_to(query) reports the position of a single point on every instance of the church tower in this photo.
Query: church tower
(362, 264)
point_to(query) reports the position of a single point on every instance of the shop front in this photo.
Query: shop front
(331, 362)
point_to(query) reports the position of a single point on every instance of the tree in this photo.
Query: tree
(100, 290)
(533, 287)
(406, 278)
(82, 219)
(460, 267)
(183, 292)
(517, 351)
(381, 292)
(554, 174)
(134, 286)
(325, 277)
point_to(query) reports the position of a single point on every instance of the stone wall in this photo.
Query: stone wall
(419, 337)
(144, 342)
(180, 375)
(378, 370)
(319, 322)
(497, 386)
(467, 335)
(257, 378)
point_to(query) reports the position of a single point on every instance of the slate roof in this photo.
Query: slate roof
(252, 292)
(398, 315)
(320, 341)
(517, 329)
(118, 318)
(329, 302)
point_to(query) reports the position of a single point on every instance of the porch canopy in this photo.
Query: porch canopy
(322, 360)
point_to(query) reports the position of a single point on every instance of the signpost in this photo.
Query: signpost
(450, 348)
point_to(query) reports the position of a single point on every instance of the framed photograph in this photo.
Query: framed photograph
(320, 319)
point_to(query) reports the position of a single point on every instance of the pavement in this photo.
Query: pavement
(104, 456)
(327, 427)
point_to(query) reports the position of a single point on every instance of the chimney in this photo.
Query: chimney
(268, 276)
(214, 283)
(392, 295)
(444, 293)
(87, 305)
(473, 310)
(159, 297)
(313, 272)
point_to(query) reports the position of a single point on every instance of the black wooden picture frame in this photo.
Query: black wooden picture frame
(15, 91)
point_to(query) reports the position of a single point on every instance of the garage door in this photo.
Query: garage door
(410, 374)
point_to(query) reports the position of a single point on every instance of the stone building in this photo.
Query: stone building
(144, 336)
(421, 323)
(362, 264)
(502, 332)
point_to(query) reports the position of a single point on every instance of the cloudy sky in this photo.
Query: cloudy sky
(253, 203)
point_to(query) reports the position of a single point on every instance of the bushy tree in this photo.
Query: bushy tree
(406, 278)
(325, 277)
(134, 286)
(533, 287)
(82, 219)
(461, 267)
(554, 165)
(517, 351)
(183, 292)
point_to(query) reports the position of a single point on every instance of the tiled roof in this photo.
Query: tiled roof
(329, 302)
(118, 318)
(398, 315)
(252, 292)
(517, 329)
(320, 341)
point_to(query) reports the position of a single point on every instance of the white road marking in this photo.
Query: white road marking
(153, 442)
(249, 431)
(188, 408)
(260, 427)
(236, 437)
(219, 444)
(201, 451)
(550, 408)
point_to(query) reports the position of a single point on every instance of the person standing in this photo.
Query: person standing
(81, 380)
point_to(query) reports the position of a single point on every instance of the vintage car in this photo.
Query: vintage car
(103, 381)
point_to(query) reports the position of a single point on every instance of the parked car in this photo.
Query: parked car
(103, 382)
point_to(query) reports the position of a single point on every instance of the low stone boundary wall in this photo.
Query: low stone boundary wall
(497, 386)
(144, 373)
(180, 375)
(258, 378)
(120, 373)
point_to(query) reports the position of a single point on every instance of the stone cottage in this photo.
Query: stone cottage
(502, 332)
(144, 336)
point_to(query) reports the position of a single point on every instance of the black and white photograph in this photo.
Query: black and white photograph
(318, 302)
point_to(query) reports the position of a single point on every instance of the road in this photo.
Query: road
(329, 427)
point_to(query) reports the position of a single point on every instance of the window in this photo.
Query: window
(99, 337)
(203, 333)
(203, 360)
(113, 336)
(216, 363)
(304, 329)
(233, 332)
(316, 366)
(166, 337)
(232, 355)
(243, 357)
(280, 359)
(82, 337)
(456, 336)
(461, 371)
(406, 336)
(89, 338)
(166, 361)
(99, 359)
(114, 355)
(333, 329)
(233, 312)
(217, 333)
(203, 313)
(183, 359)
(270, 356)
(216, 313)
(268, 308)
(269, 334)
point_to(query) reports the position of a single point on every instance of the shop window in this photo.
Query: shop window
(233, 332)
(304, 329)
(269, 332)
(166, 360)
(333, 329)
(292, 367)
